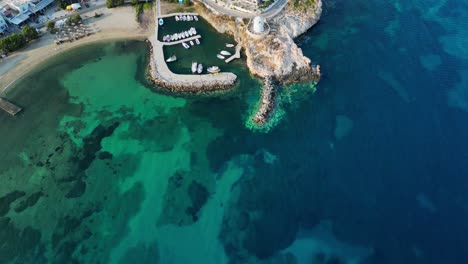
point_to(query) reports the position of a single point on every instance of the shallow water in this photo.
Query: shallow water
(370, 169)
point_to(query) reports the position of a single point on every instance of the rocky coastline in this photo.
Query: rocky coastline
(274, 57)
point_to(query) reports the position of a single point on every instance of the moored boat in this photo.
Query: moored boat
(229, 45)
(225, 53)
(171, 59)
(194, 67)
(200, 68)
(220, 56)
(161, 21)
(176, 18)
(213, 69)
(185, 45)
(186, 34)
(191, 43)
(197, 41)
(195, 17)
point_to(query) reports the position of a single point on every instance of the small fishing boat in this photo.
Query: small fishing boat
(197, 41)
(194, 67)
(213, 69)
(200, 68)
(184, 18)
(185, 45)
(220, 56)
(229, 45)
(195, 17)
(186, 34)
(161, 21)
(190, 33)
(171, 59)
(191, 43)
(189, 18)
(176, 18)
(225, 53)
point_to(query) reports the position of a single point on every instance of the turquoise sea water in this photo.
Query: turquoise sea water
(101, 167)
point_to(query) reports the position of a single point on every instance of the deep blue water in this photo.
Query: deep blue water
(397, 181)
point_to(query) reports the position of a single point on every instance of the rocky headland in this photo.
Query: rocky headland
(273, 55)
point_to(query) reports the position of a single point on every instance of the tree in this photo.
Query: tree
(76, 18)
(186, 2)
(12, 42)
(29, 33)
(133, 2)
(50, 26)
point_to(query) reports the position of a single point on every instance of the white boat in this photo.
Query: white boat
(200, 68)
(186, 34)
(191, 43)
(220, 56)
(197, 41)
(229, 45)
(194, 67)
(190, 33)
(185, 45)
(195, 17)
(171, 59)
(225, 53)
(176, 18)
(213, 69)
(189, 18)
(184, 18)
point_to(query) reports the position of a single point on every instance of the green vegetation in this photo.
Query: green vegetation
(96, 15)
(187, 3)
(51, 27)
(12, 42)
(75, 19)
(134, 2)
(147, 6)
(265, 4)
(302, 4)
(114, 3)
(63, 3)
(29, 33)
(138, 11)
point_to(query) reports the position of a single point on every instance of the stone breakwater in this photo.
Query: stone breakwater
(267, 103)
(160, 75)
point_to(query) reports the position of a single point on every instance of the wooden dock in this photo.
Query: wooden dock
(9, 107)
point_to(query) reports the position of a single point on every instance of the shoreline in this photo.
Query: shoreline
(22, 63)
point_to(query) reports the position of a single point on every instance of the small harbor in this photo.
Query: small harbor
(183, 41)
(174, 43)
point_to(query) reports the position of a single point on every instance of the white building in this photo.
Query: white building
(259, 24)
(3, 25)
(18, 12)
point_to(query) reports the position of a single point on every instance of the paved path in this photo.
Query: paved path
(278, 6)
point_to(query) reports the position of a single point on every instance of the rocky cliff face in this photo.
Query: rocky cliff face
(276, 55)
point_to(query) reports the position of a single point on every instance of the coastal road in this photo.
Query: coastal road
(278, 5)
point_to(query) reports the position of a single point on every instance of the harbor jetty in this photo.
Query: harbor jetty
(267, 102)
(9, 107)
(161, 75)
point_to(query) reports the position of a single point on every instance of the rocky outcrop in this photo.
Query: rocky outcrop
(277, 55)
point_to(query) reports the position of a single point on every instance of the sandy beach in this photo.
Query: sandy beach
(116, 23)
